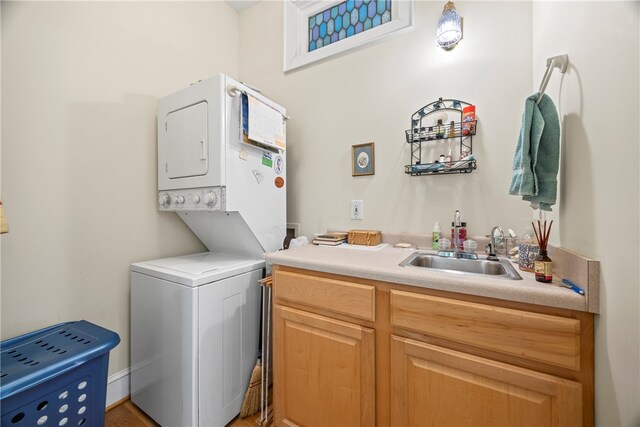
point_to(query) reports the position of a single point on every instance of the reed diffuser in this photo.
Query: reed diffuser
(543, 264)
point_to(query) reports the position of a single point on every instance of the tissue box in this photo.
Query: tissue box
(364, 237)
(527, 256)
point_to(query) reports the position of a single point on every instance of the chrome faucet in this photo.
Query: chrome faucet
(457, 251)
(491, 247)
(456, 231)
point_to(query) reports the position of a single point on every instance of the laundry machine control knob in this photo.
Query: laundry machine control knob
(210, 199)
(196, 199)
(179, 200)
(164, 200)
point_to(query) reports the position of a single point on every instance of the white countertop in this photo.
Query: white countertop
(383, 265)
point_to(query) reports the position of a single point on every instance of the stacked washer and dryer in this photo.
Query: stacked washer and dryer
(195, 318)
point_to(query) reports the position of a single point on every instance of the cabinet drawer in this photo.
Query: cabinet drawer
(338, 296)
(545, 338)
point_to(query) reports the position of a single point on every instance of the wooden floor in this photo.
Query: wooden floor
(126, 414)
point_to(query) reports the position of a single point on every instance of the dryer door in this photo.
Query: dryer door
(190, 136)
(187, 141)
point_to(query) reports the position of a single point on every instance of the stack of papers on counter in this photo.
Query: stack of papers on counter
(330, 239)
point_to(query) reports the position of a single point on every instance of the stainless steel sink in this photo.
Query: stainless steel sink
(500, 268)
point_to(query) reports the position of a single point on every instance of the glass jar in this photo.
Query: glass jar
(543, 267)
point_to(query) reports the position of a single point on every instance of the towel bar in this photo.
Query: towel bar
(560, 62)
(234, 91)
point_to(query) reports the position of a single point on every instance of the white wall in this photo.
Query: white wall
(79, 87)
(370, 95)
(0, 151)
(598, 101)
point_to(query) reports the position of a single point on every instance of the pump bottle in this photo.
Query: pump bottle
(435, 236)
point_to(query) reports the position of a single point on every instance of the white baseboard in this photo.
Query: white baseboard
(118, 386)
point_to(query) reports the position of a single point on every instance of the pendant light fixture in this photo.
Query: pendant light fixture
(449, 30)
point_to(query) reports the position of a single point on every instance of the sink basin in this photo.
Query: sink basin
(501, 268)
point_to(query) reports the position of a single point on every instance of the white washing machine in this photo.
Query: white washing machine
(194, 336)
(195, 318)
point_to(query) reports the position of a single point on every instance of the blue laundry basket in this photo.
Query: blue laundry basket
(56, 376)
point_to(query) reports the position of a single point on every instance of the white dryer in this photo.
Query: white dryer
(195, 319)
(194, 336)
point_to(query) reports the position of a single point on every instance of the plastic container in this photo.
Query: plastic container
(435, 235)
(439, 130)
(447, 160)
(56, 376)
(462, 233)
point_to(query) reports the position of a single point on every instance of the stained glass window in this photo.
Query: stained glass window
(346, 19)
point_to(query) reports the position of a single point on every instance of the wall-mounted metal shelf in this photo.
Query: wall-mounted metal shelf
(442, 121)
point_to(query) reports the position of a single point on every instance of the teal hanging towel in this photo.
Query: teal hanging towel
(537, 156)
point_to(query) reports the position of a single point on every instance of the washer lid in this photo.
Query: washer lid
(199, 263)
(197, 269)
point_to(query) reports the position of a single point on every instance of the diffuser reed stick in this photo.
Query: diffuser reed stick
(543, 265)
(542, 234)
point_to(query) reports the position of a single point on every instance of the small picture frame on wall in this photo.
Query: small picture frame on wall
(362, 160)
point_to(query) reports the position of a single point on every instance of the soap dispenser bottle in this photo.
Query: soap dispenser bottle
(439, 130)
(435, 236)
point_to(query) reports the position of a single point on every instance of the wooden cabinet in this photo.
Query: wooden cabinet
(546, 338)
(356, 352)
(324, 371)
(324, 362)
(338, 296)
(436, 386)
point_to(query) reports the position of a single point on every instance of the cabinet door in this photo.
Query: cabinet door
(324, 371)
(440, 387)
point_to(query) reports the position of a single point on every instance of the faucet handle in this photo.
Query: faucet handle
(491, 255)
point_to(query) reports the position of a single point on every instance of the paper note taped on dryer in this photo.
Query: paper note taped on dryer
(266, 125)
(4, 224)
